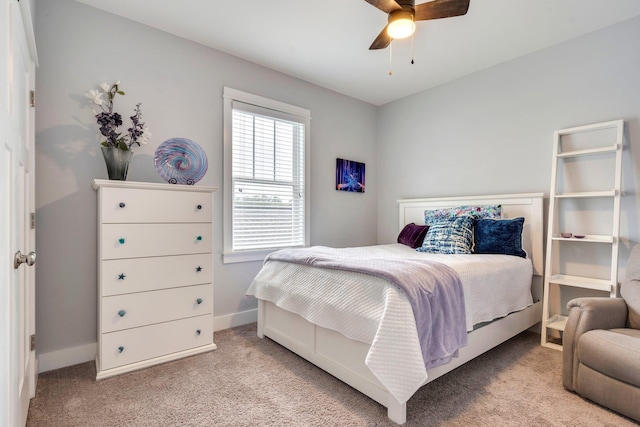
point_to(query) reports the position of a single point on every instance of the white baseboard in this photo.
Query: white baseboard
(85, 353)
(66, 357)
(236, 319)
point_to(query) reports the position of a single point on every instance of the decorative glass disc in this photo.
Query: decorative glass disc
(180, 161)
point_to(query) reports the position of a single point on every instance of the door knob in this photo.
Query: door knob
(29, 258)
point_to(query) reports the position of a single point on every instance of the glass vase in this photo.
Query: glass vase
(117, 162)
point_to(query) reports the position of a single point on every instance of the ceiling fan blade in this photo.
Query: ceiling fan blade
(386, 6)
(437, 9)
(382, 41)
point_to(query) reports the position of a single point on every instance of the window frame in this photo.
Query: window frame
(229, 96)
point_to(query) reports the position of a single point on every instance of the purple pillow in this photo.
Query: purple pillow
(412, 235)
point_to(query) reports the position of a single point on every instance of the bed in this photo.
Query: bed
(381, 356)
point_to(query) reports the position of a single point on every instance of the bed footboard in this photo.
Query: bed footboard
(329, 350)
(345, 358)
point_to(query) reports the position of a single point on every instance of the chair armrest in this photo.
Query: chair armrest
(586, 314)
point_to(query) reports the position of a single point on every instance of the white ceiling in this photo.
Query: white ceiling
(326, 41)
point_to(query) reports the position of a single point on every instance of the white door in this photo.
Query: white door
(17, 202)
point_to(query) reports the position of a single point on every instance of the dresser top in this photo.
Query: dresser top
(98, 183)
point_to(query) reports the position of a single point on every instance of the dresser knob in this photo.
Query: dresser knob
(121, 276)
(197, 331)
(121, 240)
(122, 205)
(120, 349)
(121, 313)
(199, 300)
(199, 207)
(198, 269)
(199, 238)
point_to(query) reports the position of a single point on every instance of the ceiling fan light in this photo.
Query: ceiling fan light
(401, 24)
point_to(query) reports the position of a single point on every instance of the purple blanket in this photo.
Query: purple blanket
(433, 289)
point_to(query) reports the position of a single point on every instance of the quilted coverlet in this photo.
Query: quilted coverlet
(433, 289)
(372, 310)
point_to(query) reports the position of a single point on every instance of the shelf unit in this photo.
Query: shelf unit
(585, 159)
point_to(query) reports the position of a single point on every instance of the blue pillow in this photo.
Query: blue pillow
(449, 236)
(499, 236)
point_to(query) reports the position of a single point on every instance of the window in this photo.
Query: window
(266, 195)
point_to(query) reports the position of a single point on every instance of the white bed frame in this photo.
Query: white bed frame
(345, 358)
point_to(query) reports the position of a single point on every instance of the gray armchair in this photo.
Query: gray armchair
(601, 345)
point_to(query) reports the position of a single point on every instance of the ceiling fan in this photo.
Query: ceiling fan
(404, 13)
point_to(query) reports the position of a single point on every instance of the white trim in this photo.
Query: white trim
(66, 357)
(229, 95)
(27, 20)
(228, 321)
(247, 256)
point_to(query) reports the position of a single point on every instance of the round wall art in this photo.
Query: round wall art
(180, 161)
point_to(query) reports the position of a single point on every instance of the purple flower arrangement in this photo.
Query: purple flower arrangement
(109, 121)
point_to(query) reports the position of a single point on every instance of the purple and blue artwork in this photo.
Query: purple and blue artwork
(349, 176)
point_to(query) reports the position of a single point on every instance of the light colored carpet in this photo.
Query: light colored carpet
(254, 382)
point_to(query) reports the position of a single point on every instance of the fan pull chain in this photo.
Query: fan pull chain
(390, 57)
(412, 44)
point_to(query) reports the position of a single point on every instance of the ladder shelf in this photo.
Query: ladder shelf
(584, 158)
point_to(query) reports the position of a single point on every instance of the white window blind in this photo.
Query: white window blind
(268, 178)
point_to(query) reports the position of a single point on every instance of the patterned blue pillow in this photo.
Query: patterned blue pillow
(449, 236)
(486, 211)
(499, 237)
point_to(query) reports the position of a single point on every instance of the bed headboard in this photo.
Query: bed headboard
(527, 205)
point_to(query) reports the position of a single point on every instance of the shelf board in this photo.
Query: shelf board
(552, 345)
(557, 322)
(614, 124)
(586, 194)
(593, 238)
(581, 282)
(587, 152)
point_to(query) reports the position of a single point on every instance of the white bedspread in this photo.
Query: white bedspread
(370, 309)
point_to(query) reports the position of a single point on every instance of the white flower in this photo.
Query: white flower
(94, 96)
(105, 87)
(144, 138)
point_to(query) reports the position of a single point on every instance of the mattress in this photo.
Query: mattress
(372, 310)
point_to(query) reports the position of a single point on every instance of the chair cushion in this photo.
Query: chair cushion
(630, 289)
(615, 353)
(633, 264)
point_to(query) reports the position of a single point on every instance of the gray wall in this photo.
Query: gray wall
(492, 132)
(180, 84)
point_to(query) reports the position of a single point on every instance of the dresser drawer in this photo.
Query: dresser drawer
(133, 310)
(125, 276)
(138, 344)
(144, 240)
(126, 205)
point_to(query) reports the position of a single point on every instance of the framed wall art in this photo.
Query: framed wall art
(350, 176)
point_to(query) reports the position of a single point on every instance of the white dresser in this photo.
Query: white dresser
(155, 274)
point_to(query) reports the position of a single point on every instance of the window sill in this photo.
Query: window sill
(248, 256)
